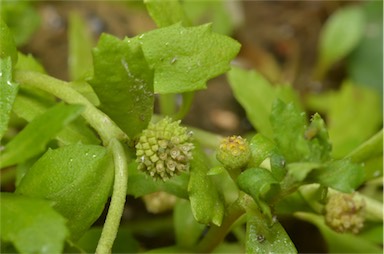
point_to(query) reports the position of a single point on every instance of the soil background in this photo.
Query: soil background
(279, 39)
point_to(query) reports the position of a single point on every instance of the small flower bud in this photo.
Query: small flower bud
(164, 149)
(345, 213)
(234, 152)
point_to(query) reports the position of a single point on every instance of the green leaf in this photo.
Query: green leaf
(207, 205)
(29, 105)
(22, 19)
(124, 83)
(340, 243)
(342, 175)
(8, 92)
(257, 95)
(264, 238)
(340, 35)
(260, 184)
(33, 139)
(7, 43)
(32, 225)
(187, 229)
(78, 178)
(289, 125)
(353, 115)
(80, 45)
(141, 184)
(86, 90)
(184, 58)
(29, 63)
(166, 12)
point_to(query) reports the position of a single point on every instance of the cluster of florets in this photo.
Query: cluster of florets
(234, 152)
(164, 149)
(345, 213)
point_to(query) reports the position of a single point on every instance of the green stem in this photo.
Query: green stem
(105, 127)
(216, 234)
(167, 104)
(116, 207)
(186, 105)
(109, 134)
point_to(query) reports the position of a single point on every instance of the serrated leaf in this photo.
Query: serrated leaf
(78, 178)
(340, 34)
(124, 83)
(184, 58)
(8, 92)
(33, 139)
(165, 12)
(207, 205)
(79, 47)
(264, 238)
(256, 95)
(289, 125)
(31, 224)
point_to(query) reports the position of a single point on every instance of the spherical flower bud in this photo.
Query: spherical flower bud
(164, 149)
(345, 213)
(234, 152)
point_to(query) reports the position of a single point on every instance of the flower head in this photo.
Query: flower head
(234, 152)
(164, 149)
(344, 213)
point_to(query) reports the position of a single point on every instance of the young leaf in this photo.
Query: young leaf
(264, 238)
(289, 125)
(341, 33)
(124, 83)
(33, 139)
(31, 224)
(318, 140)
(256, 95)
(80, 45)
(261, 148)
(8, 92)
(78, 178)
(166, 13)
(184, 58)
(207, 205)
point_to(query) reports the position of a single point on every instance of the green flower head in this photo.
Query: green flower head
(164, 149)
(234, 152)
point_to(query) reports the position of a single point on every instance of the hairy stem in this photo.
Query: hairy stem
(116, 207)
